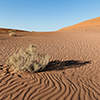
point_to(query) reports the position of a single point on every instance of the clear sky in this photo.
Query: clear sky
(46, 15)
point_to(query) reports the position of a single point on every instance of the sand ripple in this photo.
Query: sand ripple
(72, 74)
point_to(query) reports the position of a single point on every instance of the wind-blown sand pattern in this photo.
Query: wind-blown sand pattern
(72, 74)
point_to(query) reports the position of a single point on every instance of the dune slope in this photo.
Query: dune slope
(92, 24)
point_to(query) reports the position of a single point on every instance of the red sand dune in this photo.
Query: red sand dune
(92, 24)
(72, 74)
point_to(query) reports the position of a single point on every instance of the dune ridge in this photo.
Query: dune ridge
(92, 24)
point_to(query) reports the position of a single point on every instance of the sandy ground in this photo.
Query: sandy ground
(72, 74)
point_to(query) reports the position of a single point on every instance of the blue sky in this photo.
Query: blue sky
(46, 15)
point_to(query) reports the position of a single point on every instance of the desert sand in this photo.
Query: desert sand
(73, 72)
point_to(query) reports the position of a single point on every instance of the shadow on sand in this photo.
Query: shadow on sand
(61, 65)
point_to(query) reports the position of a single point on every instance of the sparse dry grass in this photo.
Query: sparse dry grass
(3, 31)
(28, 60)
(32, 31)
(12, 33)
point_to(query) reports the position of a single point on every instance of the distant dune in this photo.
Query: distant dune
(92, 24)
(3, 30)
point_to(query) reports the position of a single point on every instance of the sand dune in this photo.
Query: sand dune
(92, 24)
(72, 74)
(4, 30)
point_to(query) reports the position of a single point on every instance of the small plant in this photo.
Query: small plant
(3, 31)
(32, 31)
(28, 60)
(12, 33)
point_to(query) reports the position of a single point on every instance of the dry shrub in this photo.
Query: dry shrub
(12, 33)
(28, 60)
(3, 31)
